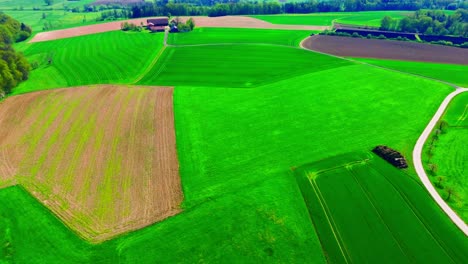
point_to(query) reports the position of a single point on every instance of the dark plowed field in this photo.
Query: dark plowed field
(386, 49)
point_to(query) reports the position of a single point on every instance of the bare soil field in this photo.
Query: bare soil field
(226, 21)
(102, 158)
(386, 49)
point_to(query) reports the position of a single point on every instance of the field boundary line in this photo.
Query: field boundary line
(330, 221)
(376, 66)
(418, 215)
(154, 61)
(417, 151)
(371, 200)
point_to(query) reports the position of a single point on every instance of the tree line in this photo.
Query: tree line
(430, 22)
(14, 68)
(238, 7)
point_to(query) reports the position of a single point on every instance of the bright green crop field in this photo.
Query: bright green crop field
(450, 155)
(367, 18)
(237, 66)
(245, 114)
(112, 57)
(55, 19)
(30, 4)
(453, 73)
(239, 35)
(357, 196)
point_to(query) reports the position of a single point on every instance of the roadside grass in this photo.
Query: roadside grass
(449, 155)
(237, 66)
(111, 57)
(55, 19)
(453, 73)
(361, 196)
(239, 35)
(365, 18)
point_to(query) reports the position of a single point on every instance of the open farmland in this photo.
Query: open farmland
(386, 49)
(200, 21)
(30, 4)
(369, 18)
(452, 73)
(236, 148)
(106, 172)
(90, 59)
(55, 19)
(239, 65)
(449, 154)
(357, 195)
(239, 35)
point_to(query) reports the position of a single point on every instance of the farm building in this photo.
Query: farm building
(157, 24)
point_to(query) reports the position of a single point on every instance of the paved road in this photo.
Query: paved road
(417, 151)
(419, 166)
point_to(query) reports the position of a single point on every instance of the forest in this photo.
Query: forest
(430, 22)
(237, 7)
(14, 68)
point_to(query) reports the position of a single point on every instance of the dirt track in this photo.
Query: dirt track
(101, 158)
(226, 21)
(386, 49)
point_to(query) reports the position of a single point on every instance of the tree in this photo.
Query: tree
(49, 2)
(450, 191)
(191, 23)
(433, 168)
(439, 179)
(443, 126)
(386, 23)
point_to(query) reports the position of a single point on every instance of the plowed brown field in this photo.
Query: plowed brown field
(226, 21)
(102, 158)
(386, 49)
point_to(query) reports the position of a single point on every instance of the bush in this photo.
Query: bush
(464, 45)
(125, 26)
(381, 37)
(355, 35)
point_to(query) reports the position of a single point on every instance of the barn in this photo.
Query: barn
(157, 24)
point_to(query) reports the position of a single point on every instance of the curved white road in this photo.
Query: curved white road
(419, 166)
(417, 151)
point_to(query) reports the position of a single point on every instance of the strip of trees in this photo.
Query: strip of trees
(14, 68)
(238, 7)
(430, 22)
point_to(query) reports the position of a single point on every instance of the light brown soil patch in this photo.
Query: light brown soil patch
(386, 49)
(226, 21)
(102, 158)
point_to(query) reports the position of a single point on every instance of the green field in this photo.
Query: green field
(112, 57)
(356, 196)
(54, 19)
(30, 4)
(239, 35)
(366, 18)
(236, 147)
(449, 154)
(239, 66)
(453, 73)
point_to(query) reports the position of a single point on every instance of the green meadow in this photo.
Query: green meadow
(245, 116)
(365, 18)
(54, 19)
(449, 154)
(30, 4)
(355, 196)
(91, 59)
(453, 73)
(203, 36)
